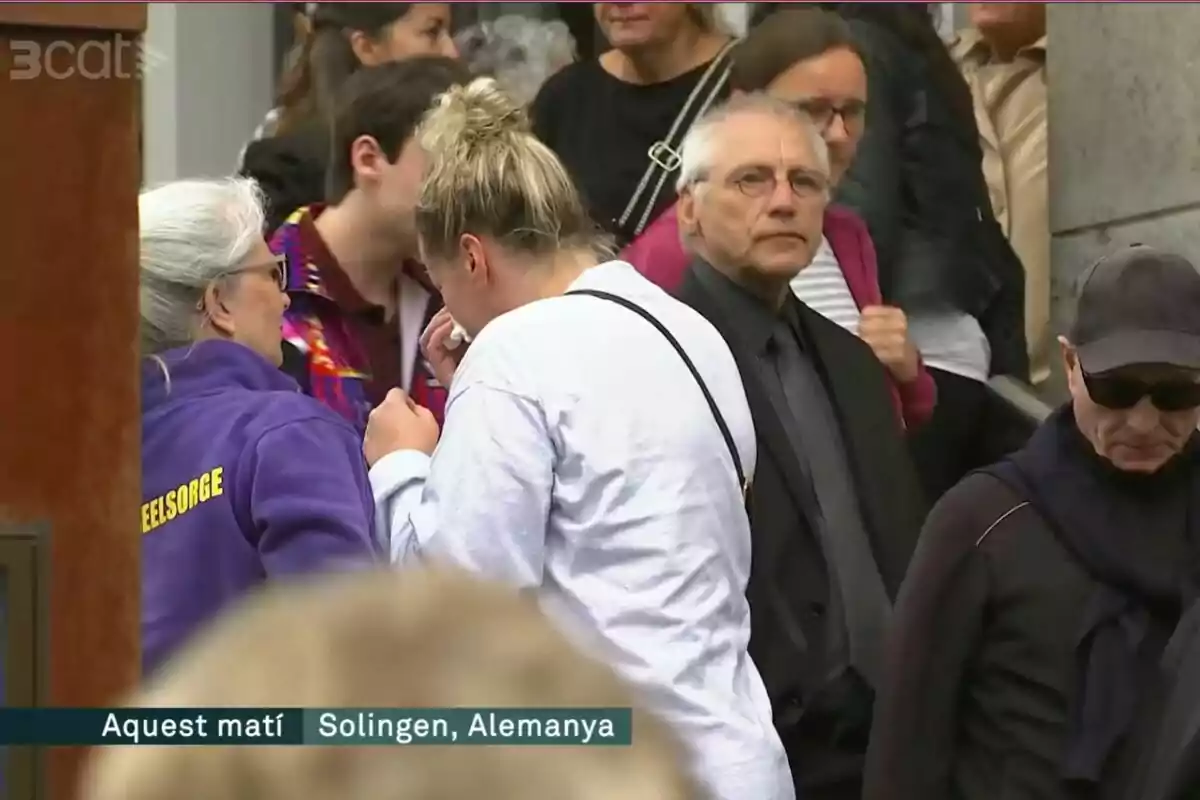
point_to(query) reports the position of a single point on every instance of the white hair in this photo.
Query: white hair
(191, 233)
(521, 53)
(699, 145)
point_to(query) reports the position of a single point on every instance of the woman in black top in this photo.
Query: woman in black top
(602, 116)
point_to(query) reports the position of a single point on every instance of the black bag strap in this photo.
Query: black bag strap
(708, 398)
(664, 154)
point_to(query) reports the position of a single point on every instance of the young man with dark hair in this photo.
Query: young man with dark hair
(359, 301)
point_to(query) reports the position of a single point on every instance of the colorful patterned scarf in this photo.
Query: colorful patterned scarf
(337, 364)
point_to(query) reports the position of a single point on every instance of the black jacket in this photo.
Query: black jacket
(1170, 764)
(789, 584)
(290, 170)
(982, 668)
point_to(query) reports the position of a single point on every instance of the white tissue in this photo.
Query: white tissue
(457, 336)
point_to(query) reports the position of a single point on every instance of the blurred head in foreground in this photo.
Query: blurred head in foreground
(389, 640)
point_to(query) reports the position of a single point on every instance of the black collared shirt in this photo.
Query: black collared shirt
(754, 320)
(859, 604)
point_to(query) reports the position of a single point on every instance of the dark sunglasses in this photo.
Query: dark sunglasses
(1119, 393)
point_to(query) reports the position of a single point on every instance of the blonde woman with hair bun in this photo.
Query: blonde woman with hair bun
(489, 175)
(591, 458)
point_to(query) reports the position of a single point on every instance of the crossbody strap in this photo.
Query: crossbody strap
(664, 154)
(708, 398)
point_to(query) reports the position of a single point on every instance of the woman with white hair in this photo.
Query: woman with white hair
(244, 478)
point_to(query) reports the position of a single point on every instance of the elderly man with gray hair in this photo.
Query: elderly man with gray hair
(835, 506)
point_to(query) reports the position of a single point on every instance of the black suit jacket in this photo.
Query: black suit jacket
(789, 583)
(1169, 767)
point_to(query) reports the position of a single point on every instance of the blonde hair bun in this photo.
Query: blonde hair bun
(478, 112)
(488, 175)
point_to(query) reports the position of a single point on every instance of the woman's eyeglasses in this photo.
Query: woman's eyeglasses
(1119, 392)
(277, 269)
(822, 112)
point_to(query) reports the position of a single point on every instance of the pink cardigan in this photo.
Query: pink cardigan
(659, 255)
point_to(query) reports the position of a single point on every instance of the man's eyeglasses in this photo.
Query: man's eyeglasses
(822, 112)
(762, 183)
(1119, 392)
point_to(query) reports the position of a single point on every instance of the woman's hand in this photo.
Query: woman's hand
(439, 350)
(885, 330)
(398, 424)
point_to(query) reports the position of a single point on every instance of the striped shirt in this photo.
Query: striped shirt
(822, 287)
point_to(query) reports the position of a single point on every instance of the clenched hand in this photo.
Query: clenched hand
(885, 330)
(398, 423)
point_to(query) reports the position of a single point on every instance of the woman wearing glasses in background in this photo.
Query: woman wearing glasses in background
(243, 477)
(917, 181)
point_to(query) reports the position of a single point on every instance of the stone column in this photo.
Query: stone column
(209, 82)
(1124, 121)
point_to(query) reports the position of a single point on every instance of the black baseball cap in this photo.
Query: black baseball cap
(1139, 305)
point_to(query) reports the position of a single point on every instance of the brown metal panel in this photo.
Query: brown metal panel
(128, 17)
(23, 610)
(69, 416)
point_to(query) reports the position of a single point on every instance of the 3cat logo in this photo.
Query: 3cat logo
(119, 57)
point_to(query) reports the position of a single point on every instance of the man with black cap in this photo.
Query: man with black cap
(1027, 637)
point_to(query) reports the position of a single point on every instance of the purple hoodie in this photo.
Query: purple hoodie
(244, 478)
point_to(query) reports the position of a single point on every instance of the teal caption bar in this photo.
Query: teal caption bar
(469, 726)
(315, 726)
(151, 726)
